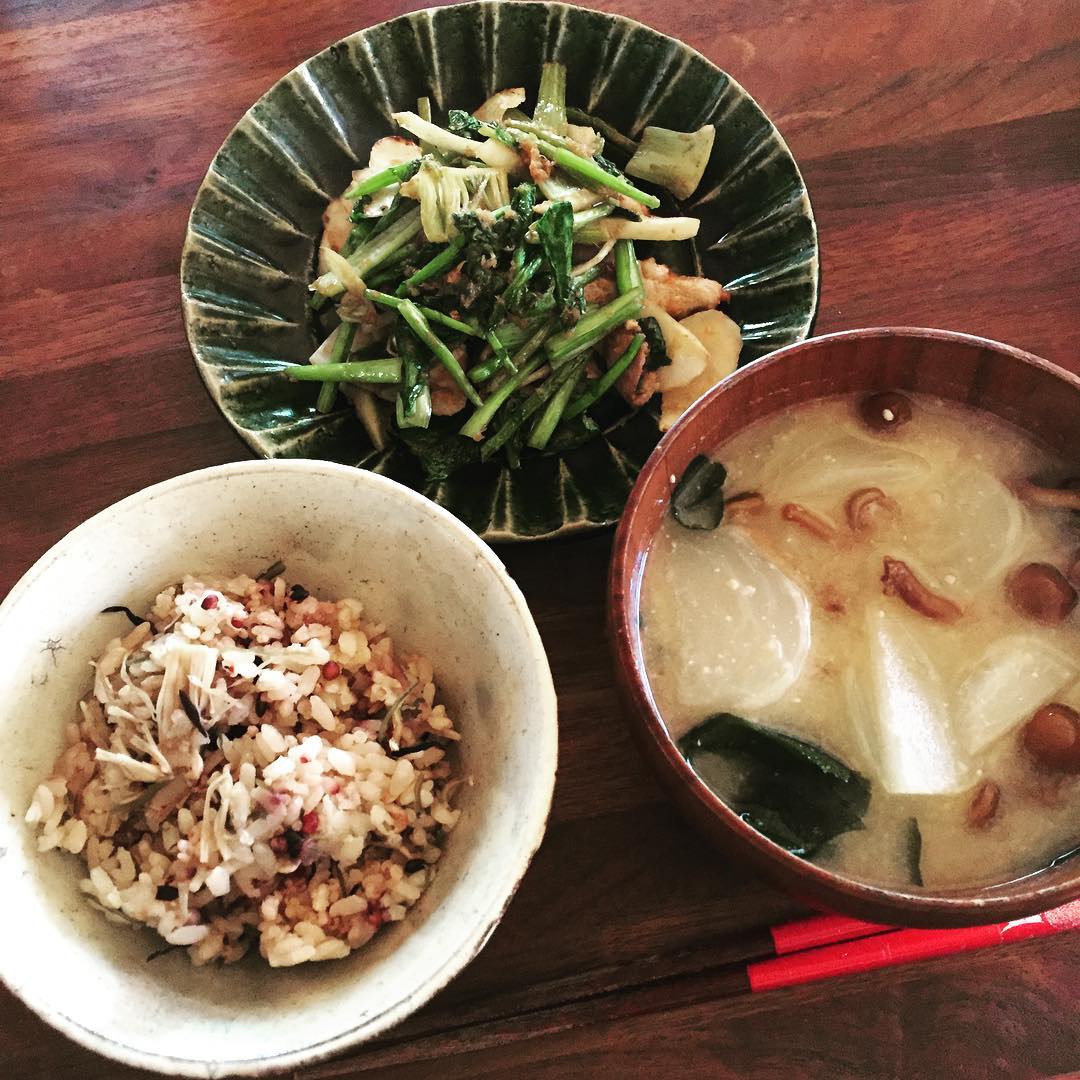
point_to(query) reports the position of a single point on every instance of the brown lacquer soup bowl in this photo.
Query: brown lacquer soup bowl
(1035, 396)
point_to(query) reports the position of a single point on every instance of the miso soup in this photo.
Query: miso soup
(862, 630)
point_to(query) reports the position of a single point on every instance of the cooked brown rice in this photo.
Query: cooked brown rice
(254, 764)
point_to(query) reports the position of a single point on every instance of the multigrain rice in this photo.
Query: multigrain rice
(254, 765)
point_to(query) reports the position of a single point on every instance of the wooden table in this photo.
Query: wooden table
(939, 141)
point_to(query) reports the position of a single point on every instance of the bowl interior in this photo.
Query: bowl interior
(256, 221)
(440, 591)
(1028, 392)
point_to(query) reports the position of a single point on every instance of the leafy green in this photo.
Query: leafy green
(657, 356)
(440, 452)
(793, 792)
(360, 231)
(522, 203)
(464, 123)
(511, 300)
(913, 850)
(384, 221)
(608, 166)
(527, 358)
(698, 499)
(572, 433)
(413, 404)
(556, 232)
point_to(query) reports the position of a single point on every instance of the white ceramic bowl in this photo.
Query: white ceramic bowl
(342, 532)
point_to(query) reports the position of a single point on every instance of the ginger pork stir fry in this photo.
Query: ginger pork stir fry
(482, 291)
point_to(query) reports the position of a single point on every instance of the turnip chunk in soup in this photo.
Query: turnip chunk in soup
(889, 585)
(747, 661)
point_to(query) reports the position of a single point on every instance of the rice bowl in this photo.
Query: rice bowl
(254, 762)
(441, 593)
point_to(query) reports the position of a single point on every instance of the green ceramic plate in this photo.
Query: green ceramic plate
(256, 221)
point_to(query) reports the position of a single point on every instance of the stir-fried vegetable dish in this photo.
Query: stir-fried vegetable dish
(479, 291)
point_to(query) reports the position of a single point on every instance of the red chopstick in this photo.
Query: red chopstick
(820, 930)
(893, 947)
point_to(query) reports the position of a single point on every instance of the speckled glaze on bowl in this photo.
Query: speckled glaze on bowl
(440, 590)
(256, 221)
(1028, 392)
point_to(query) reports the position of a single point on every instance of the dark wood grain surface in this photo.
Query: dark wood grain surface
(939, 141)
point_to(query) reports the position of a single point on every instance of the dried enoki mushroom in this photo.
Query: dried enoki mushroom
(807, 519)
(898, 579)
(983, 805)
(1066, 497)
(864, 505)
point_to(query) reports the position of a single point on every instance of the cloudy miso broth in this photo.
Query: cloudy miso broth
(874, 656)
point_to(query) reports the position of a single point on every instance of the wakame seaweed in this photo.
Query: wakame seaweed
(191, 712)
(275, 569)
(913, 850)
(793, 792)
(118, 609)
(426, 743)
(698, 499)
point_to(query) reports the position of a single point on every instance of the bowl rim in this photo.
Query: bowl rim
(881, 903)
(546, 759)
(251, 437)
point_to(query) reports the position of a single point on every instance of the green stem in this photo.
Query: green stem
(527, 408)
(592, 214)
(423, 110)
(585, 276)
(357, 235)
(587, 170)
(342, 345)
(528, 358)
(379, 248)
(500, 353)
(395, 174)
(553, 412)
(611, 135)
(593, 326)
(384, 370)
(395, 302)
(443, 261)
(514, 334)
(412, 409)
(627, 268)
(483, 372)
(512, 295)
(550, 111)
(403, 254)
(419, 326)
(374, 251)
(599, 387)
